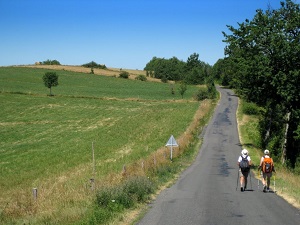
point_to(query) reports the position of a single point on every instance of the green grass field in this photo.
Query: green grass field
(46, 142)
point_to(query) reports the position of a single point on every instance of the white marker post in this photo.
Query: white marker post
(172, 142)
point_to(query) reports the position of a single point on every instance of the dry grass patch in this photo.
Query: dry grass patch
(112, 72)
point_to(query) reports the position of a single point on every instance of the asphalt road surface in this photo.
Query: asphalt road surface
(205, 193)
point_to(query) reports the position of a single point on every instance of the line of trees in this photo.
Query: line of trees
(193, 71)
(50, 62)
(262, 62)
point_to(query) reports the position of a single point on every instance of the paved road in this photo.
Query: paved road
(205, 193)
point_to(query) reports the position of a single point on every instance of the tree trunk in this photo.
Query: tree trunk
(283, 154)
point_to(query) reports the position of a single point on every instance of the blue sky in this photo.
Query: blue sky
(118, 33)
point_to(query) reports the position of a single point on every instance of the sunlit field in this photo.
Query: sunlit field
(49, 143)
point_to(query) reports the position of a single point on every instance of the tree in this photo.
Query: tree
(182, 89)
(265, 56)
(51, 62)
(50, 80)
(124, 74)
(196, 71)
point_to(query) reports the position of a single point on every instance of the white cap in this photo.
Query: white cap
(244, 152)
(267, 152)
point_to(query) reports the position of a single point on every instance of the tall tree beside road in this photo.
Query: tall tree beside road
(265, 52)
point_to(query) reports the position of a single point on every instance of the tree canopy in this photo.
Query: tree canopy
(50, 80)
(263, 64)
(194, 71)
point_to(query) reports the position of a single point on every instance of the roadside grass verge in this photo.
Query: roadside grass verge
(286, 183)
(119, 204)
(47, 142)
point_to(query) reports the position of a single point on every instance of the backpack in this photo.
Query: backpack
(267, 165)
(244, 164)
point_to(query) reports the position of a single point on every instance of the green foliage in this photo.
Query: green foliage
(93, 64)
(141, 77)
(211, 89)
(124, 74)
(209, 92)
(50, 62)
(193, 71)
(165, 69)
(250, 108)
(92, 71)
(297, 166)
(263, 59)
(50, 80)
(182, 88)
(201, 95)
(164, 79)
(124, 196)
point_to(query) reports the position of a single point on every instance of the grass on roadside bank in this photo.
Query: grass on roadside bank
(115, 204)
(287, 184)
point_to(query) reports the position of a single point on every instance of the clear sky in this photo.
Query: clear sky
(118, 33)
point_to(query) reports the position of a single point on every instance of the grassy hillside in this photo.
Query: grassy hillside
(46, 142)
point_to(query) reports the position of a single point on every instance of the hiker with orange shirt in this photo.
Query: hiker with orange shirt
(267, 167)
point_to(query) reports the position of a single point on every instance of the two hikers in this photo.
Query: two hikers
(244, 163)
(267, 167)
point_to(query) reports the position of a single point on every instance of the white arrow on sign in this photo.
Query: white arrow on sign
(172, 143)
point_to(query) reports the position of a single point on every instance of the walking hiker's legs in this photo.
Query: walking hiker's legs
(245, 180)
(269, 175)
(264, 181)
(242, 180)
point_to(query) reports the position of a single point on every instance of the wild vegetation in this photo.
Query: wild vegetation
(94, 65)
(284, 182)
(262, 64)
(50, 62)
(193, 71)
(94, 134)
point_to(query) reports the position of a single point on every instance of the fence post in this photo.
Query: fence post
(35, 193)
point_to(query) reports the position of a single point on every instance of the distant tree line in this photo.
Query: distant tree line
(262, 63)
(95, 65)
(50, 62)
(193, 71)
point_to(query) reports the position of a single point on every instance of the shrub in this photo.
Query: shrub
(124, 74)
(93, 64)
(141, 77)
(297, 166)
(250, 108)
(201, 95)
(135, 189)
(164, 79)
(112, 200)
(50, 62)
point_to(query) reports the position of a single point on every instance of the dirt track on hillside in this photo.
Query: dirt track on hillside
(112, 72)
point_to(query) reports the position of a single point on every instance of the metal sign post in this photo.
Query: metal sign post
(171, 142)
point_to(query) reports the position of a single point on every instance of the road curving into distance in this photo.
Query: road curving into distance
(206, 194)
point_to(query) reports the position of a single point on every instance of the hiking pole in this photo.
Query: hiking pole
(258, 179)
(274, 185)
(237, 181)
(250, 181)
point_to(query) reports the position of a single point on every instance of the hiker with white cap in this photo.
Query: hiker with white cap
(244, 163)
(267, 167)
